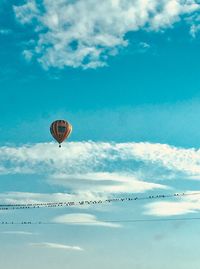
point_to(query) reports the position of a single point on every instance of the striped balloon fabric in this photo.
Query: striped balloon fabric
(60, 130)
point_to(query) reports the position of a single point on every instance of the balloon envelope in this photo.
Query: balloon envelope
(60, 130)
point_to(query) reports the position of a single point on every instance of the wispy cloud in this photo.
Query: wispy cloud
(97, 167)
(17, 232)
(30, 197)
(188, 204)
(106, 182)
(90, 157)
(103, 167)
(84, 219)
(4, 31)
(56, 246)
(69, 34)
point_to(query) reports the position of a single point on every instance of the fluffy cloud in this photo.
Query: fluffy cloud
(88, 169)
(83, 166)
(83, 33)
(79, 158)
(56, 246)
(83, 219)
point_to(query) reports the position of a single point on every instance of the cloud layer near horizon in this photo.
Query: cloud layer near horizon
(96, 170)
(99, 167)
(83, 33)
(86, 158)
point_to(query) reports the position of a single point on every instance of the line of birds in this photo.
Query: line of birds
(91, 202)
(95, 202)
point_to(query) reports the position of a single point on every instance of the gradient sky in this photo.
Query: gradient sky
(125, 73)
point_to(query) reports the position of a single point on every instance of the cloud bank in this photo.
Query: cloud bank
(97, 170)
(87, 158)
(83, 33)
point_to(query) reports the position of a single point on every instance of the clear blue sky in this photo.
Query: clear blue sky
(126, 75)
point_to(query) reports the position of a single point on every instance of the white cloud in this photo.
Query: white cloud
(194, 22)
(188, 204)
(28, 55)
(56, 246)
(105, 182)
(95, 168)
(177, 159)
(170, 208)
(29, 197)
(82, 166)
(83, 158)
(82, 33)
(92, 171)
(83, 219)
(27, 12)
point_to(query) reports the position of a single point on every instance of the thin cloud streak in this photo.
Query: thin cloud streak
(18, 233)
(56, 246)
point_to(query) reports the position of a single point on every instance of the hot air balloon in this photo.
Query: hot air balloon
(60, 130)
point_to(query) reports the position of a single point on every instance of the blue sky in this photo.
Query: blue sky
(126, 75)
